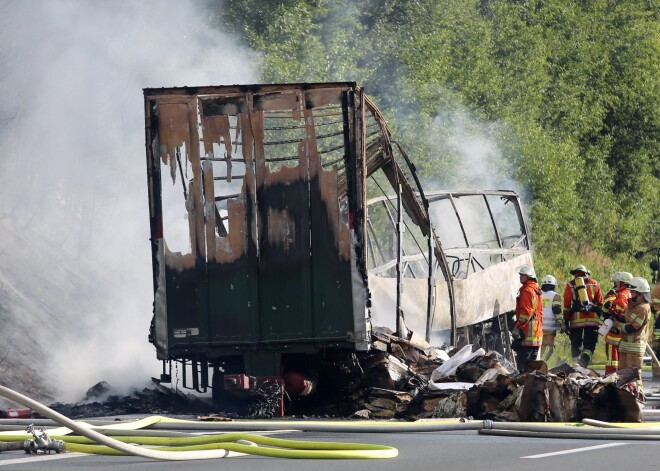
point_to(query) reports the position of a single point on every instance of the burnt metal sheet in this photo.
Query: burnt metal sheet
(272, 191)
(479, 239)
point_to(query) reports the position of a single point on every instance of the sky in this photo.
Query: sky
(75, 258)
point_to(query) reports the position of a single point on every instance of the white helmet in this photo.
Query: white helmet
(580, 268)
(527, 271)
(549, 280)
(640, 285)
(622, 276)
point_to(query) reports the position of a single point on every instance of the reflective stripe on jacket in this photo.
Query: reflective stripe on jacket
(618, 311)
(550, 299)
(637, 315)
(574, 312)
(529, 313)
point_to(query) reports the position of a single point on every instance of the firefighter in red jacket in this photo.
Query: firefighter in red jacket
(583, 300)
(528, 330)
(614, 308)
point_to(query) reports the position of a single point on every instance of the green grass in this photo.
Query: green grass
(562, 352)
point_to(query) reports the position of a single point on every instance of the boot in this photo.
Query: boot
(585, 358)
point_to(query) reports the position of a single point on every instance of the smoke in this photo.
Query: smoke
(75, 258)
(470, 153)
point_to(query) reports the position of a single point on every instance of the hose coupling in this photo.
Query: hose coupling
(41, 442)
(488, 424)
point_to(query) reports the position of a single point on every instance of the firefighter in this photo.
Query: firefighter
(528, 330)
(614, 307)
(582, 303)
(633, 326)
(553, 320)
(655, 309)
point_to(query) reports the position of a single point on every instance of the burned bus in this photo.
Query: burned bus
(286, 225)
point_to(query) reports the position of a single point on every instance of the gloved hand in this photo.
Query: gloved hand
(563, 328)
(515, 345)
(518, 334)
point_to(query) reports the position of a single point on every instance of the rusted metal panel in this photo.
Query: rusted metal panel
(271, 257)
(172, 132)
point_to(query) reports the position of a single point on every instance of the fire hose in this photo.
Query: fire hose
(192, 448)
(186, 446)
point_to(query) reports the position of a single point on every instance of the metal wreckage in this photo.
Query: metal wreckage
(299, 264)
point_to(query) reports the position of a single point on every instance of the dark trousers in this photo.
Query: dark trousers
(524, 355)
(583, 338)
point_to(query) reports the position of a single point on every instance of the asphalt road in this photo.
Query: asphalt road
(417, 451)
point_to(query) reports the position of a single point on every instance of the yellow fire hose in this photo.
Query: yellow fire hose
(189, 448)
(185, 446)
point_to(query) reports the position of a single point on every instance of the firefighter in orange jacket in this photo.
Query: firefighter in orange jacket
(528, 330)
(583, 300)
(614, 308)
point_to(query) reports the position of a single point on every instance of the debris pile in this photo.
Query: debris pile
(409, 379)
(102, 400)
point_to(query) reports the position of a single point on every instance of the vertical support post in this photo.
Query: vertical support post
(205, 376)
(430, 302)
(195, 374)
(399, 271)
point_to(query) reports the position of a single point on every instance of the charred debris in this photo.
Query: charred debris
(405, 379)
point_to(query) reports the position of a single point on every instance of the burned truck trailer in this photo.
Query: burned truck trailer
(286, 225)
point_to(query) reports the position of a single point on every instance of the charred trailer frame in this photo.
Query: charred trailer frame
(266, 253)
(258, 250)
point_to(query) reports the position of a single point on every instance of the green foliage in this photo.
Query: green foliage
(564, 95)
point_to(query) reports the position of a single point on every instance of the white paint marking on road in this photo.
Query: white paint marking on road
(36, 458)
(575, 450)
(253, 432)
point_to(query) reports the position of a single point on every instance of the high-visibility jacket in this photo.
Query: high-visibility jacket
(574, 312)
(655, 297)
(618, 311)
(638, 314)
(655, 304)
(529, 313)
(550, 320)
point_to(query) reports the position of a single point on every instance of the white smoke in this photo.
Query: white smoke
(75, 257)
(471, 152)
